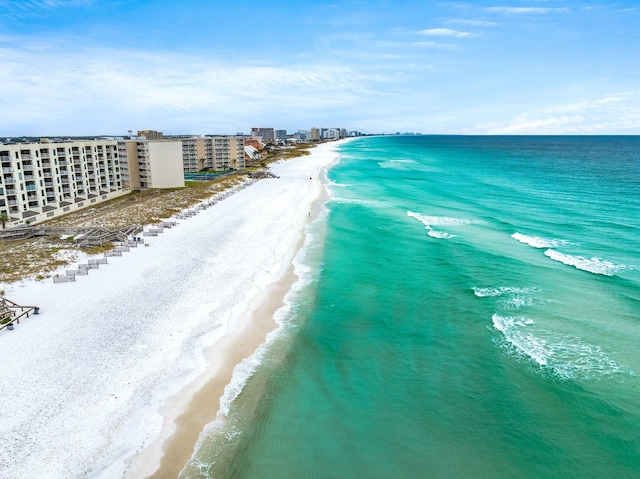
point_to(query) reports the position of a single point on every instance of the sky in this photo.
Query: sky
(97, 67)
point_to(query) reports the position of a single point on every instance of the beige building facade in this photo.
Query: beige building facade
(217, 153)
(41, 180)
(151, 163)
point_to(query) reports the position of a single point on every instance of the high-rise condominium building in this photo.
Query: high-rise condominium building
(216, 153)
(150, 135)
(151, 163)
(46, 179)
(267, 134)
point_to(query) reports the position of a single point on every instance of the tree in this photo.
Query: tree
(4, 218)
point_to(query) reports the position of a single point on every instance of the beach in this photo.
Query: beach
(119, 368)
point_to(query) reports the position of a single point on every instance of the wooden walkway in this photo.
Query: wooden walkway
(11, 313)
(85, 236)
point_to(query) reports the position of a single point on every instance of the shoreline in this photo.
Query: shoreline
(187, 413)
(104, 375)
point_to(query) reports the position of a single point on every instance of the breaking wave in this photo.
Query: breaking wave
(566, 357)
(592, 265)
(538, 241)
(430, 221)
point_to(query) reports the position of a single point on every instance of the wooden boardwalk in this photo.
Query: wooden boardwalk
(11, 313)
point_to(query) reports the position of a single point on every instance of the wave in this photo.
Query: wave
(538, 241)
(565, 357)
(430, 221)
(489, 292)
(531, 346)
(439, 234)
(592, 265)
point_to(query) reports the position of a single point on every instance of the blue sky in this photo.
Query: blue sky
(93, 67)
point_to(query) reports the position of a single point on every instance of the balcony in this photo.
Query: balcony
(29, 178)
(26, 156)
(47, 174)
(62, 154)
(10, 181)
(63, 163)
(8, 170)
(51, 199)
(6, 158)
(49, 184)
(12, 202)
(44, 154)
(28, 167)
(31, 188)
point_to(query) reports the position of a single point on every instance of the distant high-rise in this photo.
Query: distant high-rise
(281, 134)
(150, 135)
(267, 134)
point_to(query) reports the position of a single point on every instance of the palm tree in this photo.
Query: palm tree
(4, 218)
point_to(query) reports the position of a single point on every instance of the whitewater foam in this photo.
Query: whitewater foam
(489, 292)
(430, 221)
(567, 357)
(538, 241)
(592, 265)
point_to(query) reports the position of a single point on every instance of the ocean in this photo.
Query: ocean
(469, 307)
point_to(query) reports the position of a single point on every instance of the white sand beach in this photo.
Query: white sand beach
(93, 385)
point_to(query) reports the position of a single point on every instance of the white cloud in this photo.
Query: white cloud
(614, 113)
(94, 90)
(445, 32)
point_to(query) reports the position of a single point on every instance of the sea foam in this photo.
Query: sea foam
(430, 221)
(538, 241)
(592, 265)
(489, 292)
(566, 357)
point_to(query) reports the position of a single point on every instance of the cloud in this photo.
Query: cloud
(101, 90)
(526, 10)
(610, 114)
(445, 32)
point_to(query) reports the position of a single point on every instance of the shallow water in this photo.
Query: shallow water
(473, 310)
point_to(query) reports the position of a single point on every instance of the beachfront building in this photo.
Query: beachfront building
(150, 135)
(266, 134)
(151, 163)
(46, 179)
(214, 153)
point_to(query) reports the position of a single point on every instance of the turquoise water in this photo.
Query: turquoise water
(475, 312)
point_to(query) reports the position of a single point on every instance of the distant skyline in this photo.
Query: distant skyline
(94, 67)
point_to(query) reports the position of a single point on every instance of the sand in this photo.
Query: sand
(114, 377)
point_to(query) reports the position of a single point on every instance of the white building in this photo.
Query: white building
(46, 179)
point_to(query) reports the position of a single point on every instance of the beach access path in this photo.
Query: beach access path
(83, 383)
